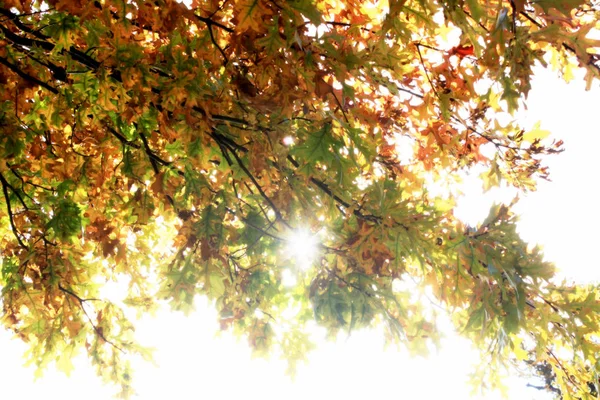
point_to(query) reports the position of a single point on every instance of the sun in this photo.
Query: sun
(302, 246)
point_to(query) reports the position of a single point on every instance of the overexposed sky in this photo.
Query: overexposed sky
(194, 364)
(561, 214)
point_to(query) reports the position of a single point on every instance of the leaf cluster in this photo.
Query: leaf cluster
(178, 147)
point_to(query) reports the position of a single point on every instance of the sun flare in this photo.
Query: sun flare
(302, 247)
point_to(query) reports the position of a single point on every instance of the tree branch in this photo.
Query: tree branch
(16, 192)
(214, 41)
(218, 138)
(24, 182)
(425, 69)
(352, 285)
(5, 186)
(564, 45)
(325, 188)
(148, 152)
(15, 20)
(567, 374)
(26, 76)
(97, 329)
(209, 22)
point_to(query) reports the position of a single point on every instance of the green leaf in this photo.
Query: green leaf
(217, 285)
(176, 148)
(564, 6)
(476, 320)
(66, 222)
(308, 10)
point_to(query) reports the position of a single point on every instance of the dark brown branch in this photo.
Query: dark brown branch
(94, 65)
(209, 22)
(325, 188)
(425, 69)
(15, 20)
(261, 230)
(564, 45)
(79, 299)
(231, 142)
(225, 118)
(218, 139)
(566, 372)
(225, 153)
(348, 25)
(76, 54)
(5, 186)
(212, 14)
(232, 145)
(122, 138)
(81, 302)
(486, 137)
(24, 182)
(362, 290)
(26, 76)
(548, 302)
(16, 192)
(148, 152)
(58, 72)
(154, 158)
(476, 21)
(214, 42)
(419, 95)
(25, 41)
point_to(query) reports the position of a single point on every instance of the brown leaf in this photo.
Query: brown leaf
(245, 86)
(322, 88)
(519, 5)
(157, 186)
(205, 251)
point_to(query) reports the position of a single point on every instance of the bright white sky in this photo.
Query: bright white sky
(194, 364)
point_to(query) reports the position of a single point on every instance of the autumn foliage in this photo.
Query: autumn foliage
(179, 146)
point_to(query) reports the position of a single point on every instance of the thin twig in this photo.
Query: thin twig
(352, 285)
(425, 69)
(564, 45)
(18, 175)
(325, 188)
(567, 374)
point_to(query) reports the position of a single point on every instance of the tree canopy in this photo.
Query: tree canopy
(181, 147)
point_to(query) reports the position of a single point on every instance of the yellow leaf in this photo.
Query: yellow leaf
(250, 15)
(536, 134)
(520, 353)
